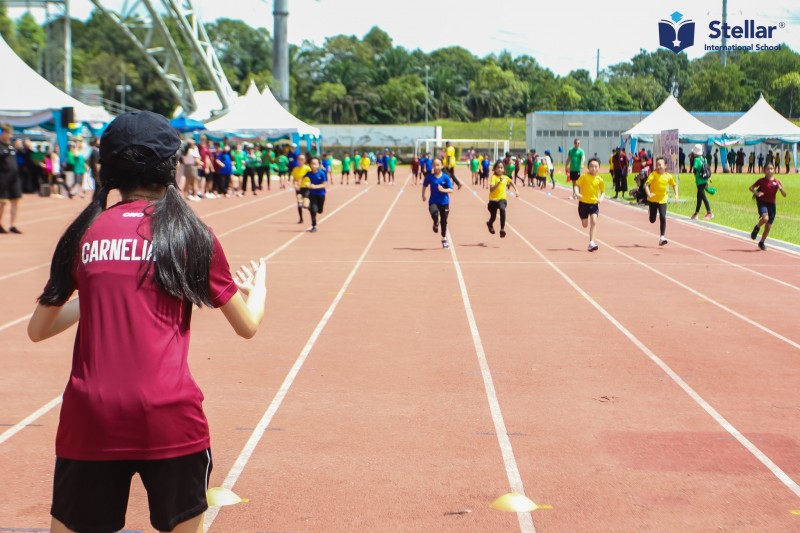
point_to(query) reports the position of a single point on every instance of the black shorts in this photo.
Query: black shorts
(584, 210)
(574, 175)
(92, 496)
(302, 192)
(316, 202)
(10, 188)
(767, 208)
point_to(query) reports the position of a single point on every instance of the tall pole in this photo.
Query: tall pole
(427, 93)
(724, 25)
(67, 49)
(597, 71)
(280, 51)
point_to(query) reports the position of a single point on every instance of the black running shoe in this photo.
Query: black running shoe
(754, 233)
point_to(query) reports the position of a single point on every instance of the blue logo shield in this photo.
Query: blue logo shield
(676, 34)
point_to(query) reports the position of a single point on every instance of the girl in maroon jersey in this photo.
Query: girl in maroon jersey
(131, 405)
(764, 191)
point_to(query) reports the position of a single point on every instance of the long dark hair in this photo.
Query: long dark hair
(177, 235)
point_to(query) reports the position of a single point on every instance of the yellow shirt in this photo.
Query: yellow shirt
(451, 157)
(658, 184)
(541, 171)
(500, 192)
(298, 173)
(590, 188)
(365, 163)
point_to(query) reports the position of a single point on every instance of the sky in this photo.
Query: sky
(561, 35)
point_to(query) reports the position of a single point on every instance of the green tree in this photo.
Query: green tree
(330, 101)
(494, 91)
(378, 40)
(789, 86)
(567, 97)
(243, 51)
(646, 92)
(30, 41)
(7, 27)
(670, 70)
(403, 96)
(716, 88)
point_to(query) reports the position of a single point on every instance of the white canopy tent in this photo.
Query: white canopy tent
(259, 115)
(671, 115)
(762, 124)
(27, 99)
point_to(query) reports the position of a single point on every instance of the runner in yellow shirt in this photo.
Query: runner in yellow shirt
(498, 184)
(364, 167)
(656, 189)
(590, 190)
(298, 173)
(450, 163)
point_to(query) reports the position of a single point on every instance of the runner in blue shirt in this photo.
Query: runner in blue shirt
(439, 205)
(485, 166)
(315, 182)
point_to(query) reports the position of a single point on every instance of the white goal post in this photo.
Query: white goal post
(497, 148)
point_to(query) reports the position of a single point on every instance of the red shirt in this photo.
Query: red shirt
(769, 187)
(130, 393)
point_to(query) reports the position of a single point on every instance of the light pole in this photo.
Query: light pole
(123, 89)
(427, 93)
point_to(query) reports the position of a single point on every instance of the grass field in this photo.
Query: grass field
(488, 128)
(733, 205)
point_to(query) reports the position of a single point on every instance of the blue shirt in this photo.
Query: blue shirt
(485, 164)
(428, 166)
(438, 197)
(293, 158)
(227, 163)
(317, 178)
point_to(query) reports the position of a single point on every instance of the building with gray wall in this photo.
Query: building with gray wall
(599, 131)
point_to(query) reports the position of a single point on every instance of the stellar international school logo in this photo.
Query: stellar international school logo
(676, 34)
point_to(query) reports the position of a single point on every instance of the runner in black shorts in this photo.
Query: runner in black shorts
(575, 159)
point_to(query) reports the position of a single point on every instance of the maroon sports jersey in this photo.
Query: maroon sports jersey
(769, 187)
(130, 393)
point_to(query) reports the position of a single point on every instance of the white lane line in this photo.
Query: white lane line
(42, 410)
(250, 446)
(697, 293)
(727, 426)
(712, 256)
(681, 219)
(245, 204)
(15, 322)
(16, 428)
(36, 267)
(24, 271)
(510, 462)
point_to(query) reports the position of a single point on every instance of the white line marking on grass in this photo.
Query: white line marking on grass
(510, 462)
(19, 426)
(727, 426)
(255, 437)
(710, 300)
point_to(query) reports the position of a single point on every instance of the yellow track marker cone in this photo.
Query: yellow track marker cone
(514, 502)
(218, 496)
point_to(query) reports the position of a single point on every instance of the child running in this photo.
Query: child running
(656, 190)
(764, 191)
(298, 173)
(131, 405)
(314, 182)
(497, 197)
(346, 161)
(590, 190)
(439, 205)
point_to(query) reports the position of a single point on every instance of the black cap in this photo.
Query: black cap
(138, 128)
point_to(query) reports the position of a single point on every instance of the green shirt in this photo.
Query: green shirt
(697, 167)
(346, 164)
(392, 164)
(357, 160)
(473, 165)
(510, 168)
(576, 157)
(239, 158)
(283, 163)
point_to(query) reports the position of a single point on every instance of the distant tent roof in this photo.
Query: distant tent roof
(185, 124)
(671, 115)
(208, 104)
(762, 124)
(260, 115)
(27, 99)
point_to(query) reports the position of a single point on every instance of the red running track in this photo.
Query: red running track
(636, 388)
